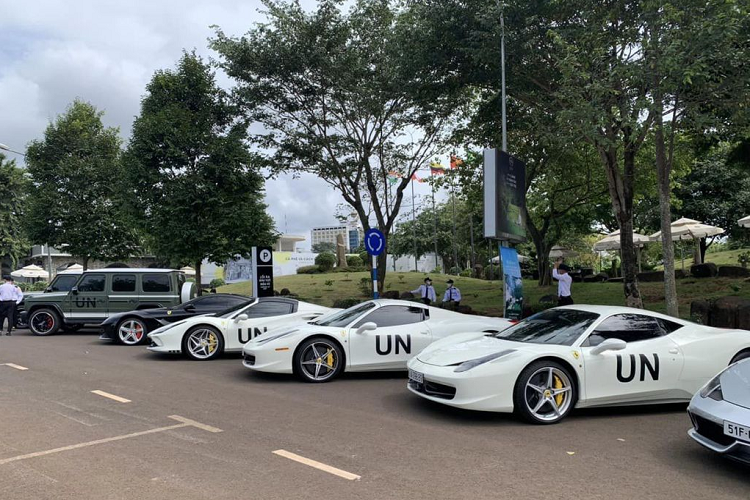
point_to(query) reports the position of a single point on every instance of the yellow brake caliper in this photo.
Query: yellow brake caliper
(558, 385)
(212, 342)
(329, 359)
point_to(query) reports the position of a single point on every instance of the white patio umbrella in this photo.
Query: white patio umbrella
(612, 242)
(689, 229)
(744, 222)
(189, 271)
(558, 251)
(31, 271)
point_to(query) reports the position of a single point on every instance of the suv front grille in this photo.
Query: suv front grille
(434, 389)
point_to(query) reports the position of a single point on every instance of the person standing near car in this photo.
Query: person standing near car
(452, 296)
(426, 292)
(9, 298)
(561, 273)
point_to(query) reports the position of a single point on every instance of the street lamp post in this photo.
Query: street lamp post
(7, 148)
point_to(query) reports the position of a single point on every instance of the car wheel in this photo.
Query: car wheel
(43, 322)
(318, 360)
(740, 356)
(131, 331)
(545, 393)
(203, 343)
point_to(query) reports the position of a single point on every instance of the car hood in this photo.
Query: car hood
(464, 347)
(735, 384)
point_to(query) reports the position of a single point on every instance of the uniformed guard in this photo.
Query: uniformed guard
(9, 298)
(452, 296)
(426, 292)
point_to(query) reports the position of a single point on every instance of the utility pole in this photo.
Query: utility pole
(414, 227)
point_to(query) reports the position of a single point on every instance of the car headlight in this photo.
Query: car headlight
(713, 389)
(472, 363)
(262, 340)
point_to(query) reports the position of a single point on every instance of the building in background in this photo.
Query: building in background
(287, 243)
(352, 234)
(356, 235)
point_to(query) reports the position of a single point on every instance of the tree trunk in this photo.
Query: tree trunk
(382, 261)
(663, 170)
(198, 285)
(86, 262)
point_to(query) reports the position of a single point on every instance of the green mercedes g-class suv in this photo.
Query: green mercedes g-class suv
(101, 292)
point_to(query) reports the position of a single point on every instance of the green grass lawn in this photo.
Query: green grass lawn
(723, 258)
(486, 296)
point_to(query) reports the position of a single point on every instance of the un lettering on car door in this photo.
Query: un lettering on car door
(245, 335)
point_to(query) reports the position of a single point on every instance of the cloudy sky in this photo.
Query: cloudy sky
(105, 51)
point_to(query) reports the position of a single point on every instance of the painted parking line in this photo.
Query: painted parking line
(185, 422)
(13, 365)
(317, 465)
(111, 396)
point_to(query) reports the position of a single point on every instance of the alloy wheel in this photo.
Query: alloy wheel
(319, 360)
(131, 332)
(548, 394)
(202, 343)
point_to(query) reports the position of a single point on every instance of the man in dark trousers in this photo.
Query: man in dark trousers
(452, 296)
(564, 280)
(9, 297)
(426, 292)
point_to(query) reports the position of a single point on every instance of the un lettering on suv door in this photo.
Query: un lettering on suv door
(89, 298)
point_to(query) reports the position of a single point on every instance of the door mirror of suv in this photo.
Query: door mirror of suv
(366, 327)
(74, 290)
(48, 289)
(241, 317)
(609, 345)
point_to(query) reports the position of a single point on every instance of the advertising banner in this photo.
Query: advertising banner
(504, 196)
(512, 283)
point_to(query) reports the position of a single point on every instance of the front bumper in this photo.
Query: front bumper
(165, 343)
(268, 360)
(708, 417)
(479, 389)
(107, 332)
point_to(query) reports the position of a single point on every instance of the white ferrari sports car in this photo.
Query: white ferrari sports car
(720, 413)
(575, 356)
(206, 337)
(375, 335)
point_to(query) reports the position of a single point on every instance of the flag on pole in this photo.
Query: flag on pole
(436, 168)
(456, 162)
(393, 177)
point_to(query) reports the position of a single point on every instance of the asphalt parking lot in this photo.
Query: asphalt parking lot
(164, 427)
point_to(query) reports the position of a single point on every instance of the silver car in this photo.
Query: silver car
(720, 412)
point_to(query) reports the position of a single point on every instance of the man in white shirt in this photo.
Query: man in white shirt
(564, 280)
(452, 296)
(10, 296)
(426, 292)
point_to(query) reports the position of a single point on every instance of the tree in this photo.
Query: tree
(195, 190)
(75, 173)
(14, 188)
(324, 246)
(337, 96)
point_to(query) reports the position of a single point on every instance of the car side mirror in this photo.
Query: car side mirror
(241, 317)
(74, 290)
(366, 327)
(609, 345)
(48, 289)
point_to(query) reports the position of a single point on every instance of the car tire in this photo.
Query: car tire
(545, 393)
(131, 331)
(740, 356)
(44, 322)
(318, 360)
(203, 343)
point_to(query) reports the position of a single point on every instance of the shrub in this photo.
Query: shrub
(492, 272)
(216, 283)
(354, 261)
(285, 292)
(325, 261)
(365, 286)
(39, 286)
(329, 283)
(466, 273)
(346, 303)
(744, 259)
(454, 270)
(308, 270)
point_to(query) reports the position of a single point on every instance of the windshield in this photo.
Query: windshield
(343, 318)
(555, 326)
(228, 312)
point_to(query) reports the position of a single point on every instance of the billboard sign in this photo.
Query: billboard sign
(512, 283)
(504, 196)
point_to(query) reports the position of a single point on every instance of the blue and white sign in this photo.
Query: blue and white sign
(374, 242)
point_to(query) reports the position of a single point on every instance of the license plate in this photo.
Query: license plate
(736, 431)
(416, 376)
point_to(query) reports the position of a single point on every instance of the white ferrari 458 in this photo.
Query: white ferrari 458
(374, 335)
(206, 337)
(576, 356)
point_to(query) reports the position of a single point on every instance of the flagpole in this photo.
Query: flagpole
(453, 200)
(502, 79)
(414, 225)
(434, 233)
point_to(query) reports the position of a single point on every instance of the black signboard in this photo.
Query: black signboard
(263, 271)
(504, 196)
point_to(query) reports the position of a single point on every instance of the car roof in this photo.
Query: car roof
(278, 299)
(610, 310)
(131, 270)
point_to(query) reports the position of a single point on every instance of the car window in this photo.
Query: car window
(266, 309)
(92, 283)
(218, 301)
(627, 327)
(554, 326)
(64, 283)
(123, 283)
(343, 318)
(668, 326)
(231, 310)
(393, 316)
(155, 283)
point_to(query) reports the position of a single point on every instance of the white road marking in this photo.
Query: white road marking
(193, 423)
(17, 367)
(111, 396)
(186, 422)
(317, 465)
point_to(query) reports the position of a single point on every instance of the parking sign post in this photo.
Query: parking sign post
(375, 245)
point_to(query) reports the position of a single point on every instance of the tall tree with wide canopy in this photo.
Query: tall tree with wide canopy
(76, 202)
(195, 190)
(336, 95)
(14, 190)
